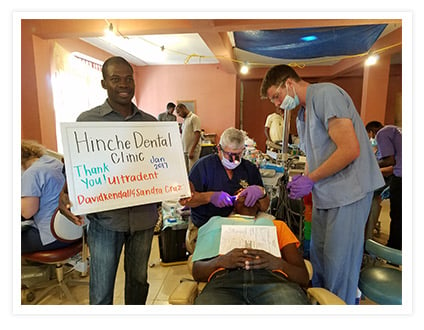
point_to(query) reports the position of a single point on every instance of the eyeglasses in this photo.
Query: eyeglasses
(276, 95)
(231, 155)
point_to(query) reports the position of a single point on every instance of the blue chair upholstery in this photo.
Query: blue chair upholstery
(382, 283)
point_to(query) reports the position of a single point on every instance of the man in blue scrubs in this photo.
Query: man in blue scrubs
(342, 174)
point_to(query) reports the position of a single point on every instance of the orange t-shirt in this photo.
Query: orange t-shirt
(284, 234)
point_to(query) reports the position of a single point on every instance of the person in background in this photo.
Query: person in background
(244, 275)
(389, 154)
(341, 172)
(190, 134)
(168, 115)
(132, 227)
(373, 223)
(41, 182)
(215, 179)
(274, 124)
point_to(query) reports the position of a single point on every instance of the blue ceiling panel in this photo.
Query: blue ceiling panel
(309, 42)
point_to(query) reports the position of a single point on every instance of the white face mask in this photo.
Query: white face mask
(229, 165)
(290, 102)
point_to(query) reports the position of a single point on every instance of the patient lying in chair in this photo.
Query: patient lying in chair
(246, 275)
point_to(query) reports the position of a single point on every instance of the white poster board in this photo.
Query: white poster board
(110, 165)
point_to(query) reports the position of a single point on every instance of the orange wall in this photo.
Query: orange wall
(216, 92)
(213, 90)
(394, 97)
(255, 110)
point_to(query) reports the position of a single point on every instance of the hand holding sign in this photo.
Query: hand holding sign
(112, 165)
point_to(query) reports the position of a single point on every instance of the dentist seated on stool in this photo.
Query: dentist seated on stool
(215, 179)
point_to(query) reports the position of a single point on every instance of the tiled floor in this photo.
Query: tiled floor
(164, 279)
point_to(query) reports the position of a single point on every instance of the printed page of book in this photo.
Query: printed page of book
(255, 237)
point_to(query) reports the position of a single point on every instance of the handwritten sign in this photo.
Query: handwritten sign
(111, 165)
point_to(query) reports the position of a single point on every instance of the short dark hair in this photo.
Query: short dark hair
(170, 105)
(112, 60)
(277, 75)
(181, 106)
(373, 126)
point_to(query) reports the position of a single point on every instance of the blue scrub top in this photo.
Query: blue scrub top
(44, 179)
(208, 174)
(323, 102)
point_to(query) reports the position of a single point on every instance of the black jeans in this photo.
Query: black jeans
(395, 236)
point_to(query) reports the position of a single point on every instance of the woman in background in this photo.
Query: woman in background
(41, 182)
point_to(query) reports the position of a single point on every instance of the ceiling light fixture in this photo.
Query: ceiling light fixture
(244, 69)
(109, 30)
(372, 59)
(309, 38)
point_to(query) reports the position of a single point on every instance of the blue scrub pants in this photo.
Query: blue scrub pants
(105, 251)
(337, 240)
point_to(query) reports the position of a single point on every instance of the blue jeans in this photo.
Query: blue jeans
(105, 250)
(251, 287)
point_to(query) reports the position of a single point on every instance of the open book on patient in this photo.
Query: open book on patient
(255, 237)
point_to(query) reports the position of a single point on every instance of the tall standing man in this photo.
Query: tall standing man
(341, 172)
(132, 227)
(190, 134)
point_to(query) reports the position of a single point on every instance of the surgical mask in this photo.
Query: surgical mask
(290, 102)
(228, 164)
(373, 142)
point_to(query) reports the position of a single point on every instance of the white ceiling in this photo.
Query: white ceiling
(160, 49)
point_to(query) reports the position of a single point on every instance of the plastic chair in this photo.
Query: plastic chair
(66, 231)
(380, 281)
(188, 289)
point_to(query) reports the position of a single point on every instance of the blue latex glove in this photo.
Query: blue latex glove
(221, 199)
(300, 186)
(252, 194)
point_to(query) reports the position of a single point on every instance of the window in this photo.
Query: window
(76, 87)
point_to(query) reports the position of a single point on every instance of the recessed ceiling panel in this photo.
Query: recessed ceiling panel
(160, 49)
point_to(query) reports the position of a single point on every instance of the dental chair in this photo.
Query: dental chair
(66, 231)
(188, 289)
(380, 280)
